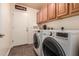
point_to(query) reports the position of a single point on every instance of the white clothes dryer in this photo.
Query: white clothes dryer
(36, 42)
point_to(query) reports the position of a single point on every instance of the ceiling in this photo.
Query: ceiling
(33, 5)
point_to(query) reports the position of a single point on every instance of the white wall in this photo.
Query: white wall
(71, 23)
(29, 17)
(5, 28)
(11, 21)
(32, 21)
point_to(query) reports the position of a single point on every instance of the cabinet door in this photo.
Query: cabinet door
(44, 13)
(40, 16)
(74, 7)
(62, 9)
(51, 11)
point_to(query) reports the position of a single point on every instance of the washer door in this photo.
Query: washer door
(52, 48)
(36, 43)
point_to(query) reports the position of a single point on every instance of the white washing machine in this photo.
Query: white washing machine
(60, 43)
(36, 42)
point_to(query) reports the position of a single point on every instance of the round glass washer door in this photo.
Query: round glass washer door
(52, 48)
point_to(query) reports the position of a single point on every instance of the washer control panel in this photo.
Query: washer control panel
(62, 35)
(65, 35)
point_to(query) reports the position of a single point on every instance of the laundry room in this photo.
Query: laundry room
(39, 29)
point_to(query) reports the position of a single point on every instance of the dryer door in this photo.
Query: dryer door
(36, 43)
(52, 48)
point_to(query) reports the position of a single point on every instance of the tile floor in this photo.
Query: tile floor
(23, 50)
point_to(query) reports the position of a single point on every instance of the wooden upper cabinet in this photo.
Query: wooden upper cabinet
(51, 11)
(62, 9)
(74, 7)
(44, 13)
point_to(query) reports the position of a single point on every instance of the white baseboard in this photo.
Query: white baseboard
(8, 51)
(21, 44)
